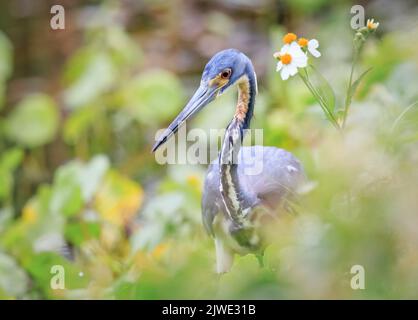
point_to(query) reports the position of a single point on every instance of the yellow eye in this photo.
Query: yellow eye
(226, 73)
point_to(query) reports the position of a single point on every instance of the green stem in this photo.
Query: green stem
(324, 104)
(321, 102)
(395, 123)
(350, 83)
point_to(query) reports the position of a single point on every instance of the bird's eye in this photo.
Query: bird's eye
(226, 74)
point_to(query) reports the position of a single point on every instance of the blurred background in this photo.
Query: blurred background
(79, 187)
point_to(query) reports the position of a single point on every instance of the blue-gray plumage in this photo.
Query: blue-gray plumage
(246, 186)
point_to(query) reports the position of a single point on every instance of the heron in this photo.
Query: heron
(236, 203)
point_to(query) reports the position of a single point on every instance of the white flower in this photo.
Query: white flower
(311, 45)
(371, 25)
(312, 48)
(290, 58)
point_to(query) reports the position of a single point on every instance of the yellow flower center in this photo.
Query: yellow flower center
(289, 38)
(286, 58)
(371, 25)
(303, 42)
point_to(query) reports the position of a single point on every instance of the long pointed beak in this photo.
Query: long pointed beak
(201, 98)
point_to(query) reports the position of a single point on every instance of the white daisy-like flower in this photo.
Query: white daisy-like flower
(291, 57)
(312, 46)
(371, 25)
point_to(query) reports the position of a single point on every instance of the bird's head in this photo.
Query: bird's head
(222, 71)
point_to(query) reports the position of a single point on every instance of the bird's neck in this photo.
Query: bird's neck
(231, 190)
(247, 89)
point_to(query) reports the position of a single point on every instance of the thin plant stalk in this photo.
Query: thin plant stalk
(320, 100)
(350, 83)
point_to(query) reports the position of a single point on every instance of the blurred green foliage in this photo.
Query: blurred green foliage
(80, 188)
(33, 122)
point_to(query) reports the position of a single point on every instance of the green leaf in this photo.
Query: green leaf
(6, 57)
(78, 123)
(76, 183)
(323, 88)
(67, 200)
(6, 218)
(33, 122)
(6, 183)
(123, 49)
(154, 96)
(91, 176)
(6, 64)
(66, 195)
(354, 86)
(39, 267)
(92, 78)
(14, 282)
(9, 160)
(78, 232)
(77, 65)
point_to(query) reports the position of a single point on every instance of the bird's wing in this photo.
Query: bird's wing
(267, 174)
(279, 175)
(211, 197)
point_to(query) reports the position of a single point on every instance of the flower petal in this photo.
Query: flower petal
(292, 69)
(279, 66)
(312, 46)
(315, 53)
(313, 43)
(294, 45)
(296, 51)
(285, 49)
(301, 61)
(285, 73)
